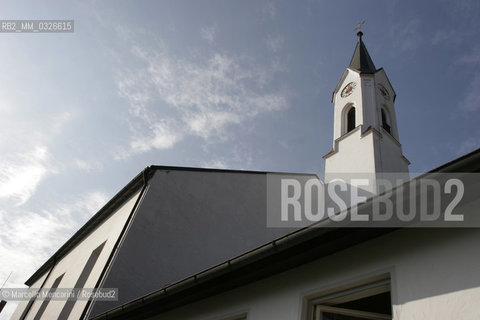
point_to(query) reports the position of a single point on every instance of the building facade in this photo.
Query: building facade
(189, 243)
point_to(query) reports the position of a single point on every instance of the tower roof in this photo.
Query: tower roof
(361, 60)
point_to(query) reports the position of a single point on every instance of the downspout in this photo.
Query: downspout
(88, 306)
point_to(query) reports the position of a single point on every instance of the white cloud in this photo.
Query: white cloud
(27, 159)
(275, 44)
(82, 164)
(29, 238)
(78, 211)
(408, 35)
(467, 11)
(172, 97)
(238, 157)
(447, 36)
(471, 102)
(59, 121)
(468, 145)
(270, 10)
(216, 164)
(20, 177)
(208, 33)
(462, 22)
(161, 136)
(472, 58)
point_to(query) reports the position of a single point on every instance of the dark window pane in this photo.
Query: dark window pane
(379, 303)
(334, 316)
(351, 119)
(385, 124)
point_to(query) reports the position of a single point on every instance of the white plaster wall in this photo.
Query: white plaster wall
(23, 304)
(434, 275)
(354, 154)
(72, 264)
(389, 155)
(369, 102)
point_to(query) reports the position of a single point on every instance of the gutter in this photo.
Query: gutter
(291, 250)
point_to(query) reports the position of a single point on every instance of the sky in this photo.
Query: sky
(221, 84)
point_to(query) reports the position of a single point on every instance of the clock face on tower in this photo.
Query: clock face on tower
(348, 89)
(384, 92)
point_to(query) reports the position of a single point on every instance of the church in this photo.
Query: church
(192, 243)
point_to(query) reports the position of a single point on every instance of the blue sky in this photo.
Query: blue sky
(226, 84)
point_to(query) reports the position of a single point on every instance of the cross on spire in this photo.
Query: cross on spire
(359, 27)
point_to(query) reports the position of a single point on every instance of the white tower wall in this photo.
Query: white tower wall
(372, 148)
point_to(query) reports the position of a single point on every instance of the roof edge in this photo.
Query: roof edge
(113, 204)
(123, 195)
(167, 168)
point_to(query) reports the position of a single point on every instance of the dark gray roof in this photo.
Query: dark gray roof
(361, 60)
(117, 201)
(188, 221)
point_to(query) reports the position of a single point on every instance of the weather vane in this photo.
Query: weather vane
(359, 26)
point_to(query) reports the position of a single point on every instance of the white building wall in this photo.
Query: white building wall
(73, 263)
(23, 304)
(355, 154)
(389, 156)
(369, 102)
(434, 275)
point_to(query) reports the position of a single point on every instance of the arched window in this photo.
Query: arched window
(351, 119)
(386, 122)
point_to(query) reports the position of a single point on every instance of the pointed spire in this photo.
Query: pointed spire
(361, 60)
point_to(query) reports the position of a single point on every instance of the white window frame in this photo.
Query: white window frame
(326, 301)
(242, 316)
(319, 309)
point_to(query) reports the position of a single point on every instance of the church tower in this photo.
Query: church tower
(365, 132)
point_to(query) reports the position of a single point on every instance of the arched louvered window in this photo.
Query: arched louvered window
(386, 122)
(351, 119)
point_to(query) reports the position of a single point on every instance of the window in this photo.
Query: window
(351, 119)
(386, 122)
(365, 301)
(242, 316)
